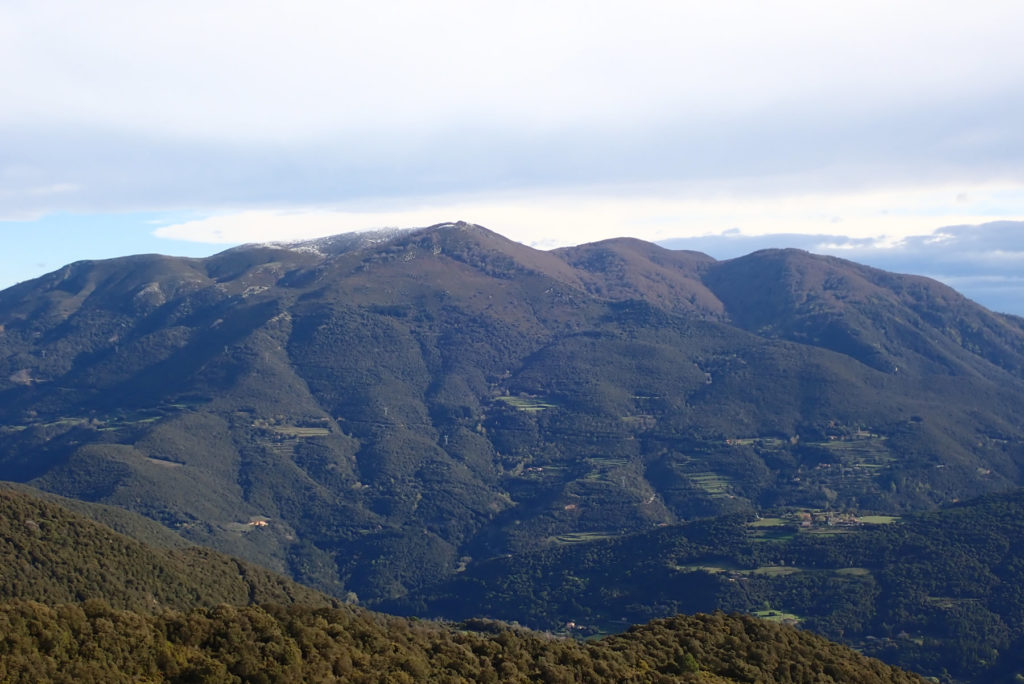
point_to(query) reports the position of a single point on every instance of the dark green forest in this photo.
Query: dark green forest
(54, 555)
(91, 642)
(82, 603)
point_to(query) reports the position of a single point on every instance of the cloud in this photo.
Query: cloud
(730, 220)
(242, 69)
(270, 226)
(241, 105)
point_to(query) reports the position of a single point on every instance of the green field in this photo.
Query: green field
(949, 602)
(870, 452)
(164, 462)
(775, 570)
(713, 569)
(528, 404)
(771, 529)
(603, 465)
(853, 572)
(712, 483)
(762, 442)
(580, 537)
(296, 431)
(761, 537)
(878, 519)
(770, 522)
(777, 616)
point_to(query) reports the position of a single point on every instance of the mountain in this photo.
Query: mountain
(376, 414)
(82, 603)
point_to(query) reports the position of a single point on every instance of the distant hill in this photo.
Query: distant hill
(377, 414)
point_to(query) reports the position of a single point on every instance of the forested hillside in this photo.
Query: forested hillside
(92, 643)
(82, 603)
(939, 593)
(52, 555)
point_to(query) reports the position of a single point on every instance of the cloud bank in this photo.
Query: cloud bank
(242, 106)
(553, 219)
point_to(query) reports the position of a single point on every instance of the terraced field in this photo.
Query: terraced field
(711, 483)
(866, 452)
(296, 431)
(603, 467)
(527, 403)
(581, 537)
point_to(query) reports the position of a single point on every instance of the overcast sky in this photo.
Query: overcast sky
(888, 132)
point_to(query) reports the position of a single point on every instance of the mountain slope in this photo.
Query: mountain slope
(882, 319)
(371, 415)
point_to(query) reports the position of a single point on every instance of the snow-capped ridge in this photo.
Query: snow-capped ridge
(333, 244)
(349, 242)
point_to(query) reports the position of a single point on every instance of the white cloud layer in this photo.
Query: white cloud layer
(553, 220)
(253, 69)
(198, 105)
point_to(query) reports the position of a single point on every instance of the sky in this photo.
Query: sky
(885, 132)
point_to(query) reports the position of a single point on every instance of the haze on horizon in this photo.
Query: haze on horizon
(884, 132)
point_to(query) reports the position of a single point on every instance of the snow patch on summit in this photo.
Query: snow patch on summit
(334, 245)
(338, 244)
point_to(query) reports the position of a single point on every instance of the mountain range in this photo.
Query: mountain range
(379, 414)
